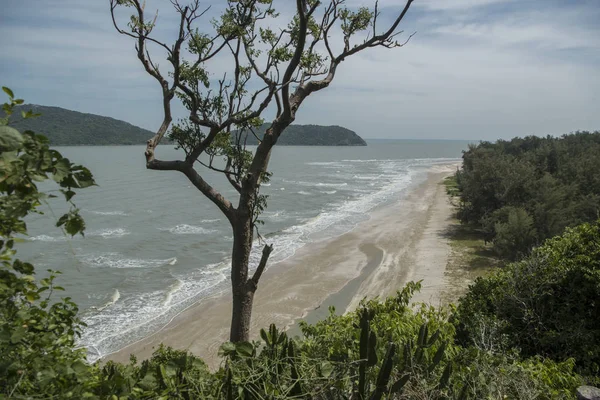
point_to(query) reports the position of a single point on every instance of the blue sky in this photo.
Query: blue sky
(476, 69)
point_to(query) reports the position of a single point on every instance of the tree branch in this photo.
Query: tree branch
(261, 265)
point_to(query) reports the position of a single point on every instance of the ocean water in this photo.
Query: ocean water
(154, 245)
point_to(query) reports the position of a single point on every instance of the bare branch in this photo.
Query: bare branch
(261, 265)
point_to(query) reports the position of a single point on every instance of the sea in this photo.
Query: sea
(154, 245)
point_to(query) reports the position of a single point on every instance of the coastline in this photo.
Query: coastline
(400, 242)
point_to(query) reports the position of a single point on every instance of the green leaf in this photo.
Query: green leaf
(326, 369)
(62, 169)
(227, 349)
(18, 334)
(8, 92)
(400, 383)
(244, 349)
(10, 139)
(79, 367)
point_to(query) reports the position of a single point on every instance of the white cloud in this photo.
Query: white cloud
(455, 4)
(467, 74)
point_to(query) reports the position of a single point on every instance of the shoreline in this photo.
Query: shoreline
(400, 242)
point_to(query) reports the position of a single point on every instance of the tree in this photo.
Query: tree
(37, 332)
(267, 65)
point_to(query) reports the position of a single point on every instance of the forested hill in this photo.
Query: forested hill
(71, 128)
(313, 135)
(66, 127)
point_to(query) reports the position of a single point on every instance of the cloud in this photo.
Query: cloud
(477, 69)
(453, 5)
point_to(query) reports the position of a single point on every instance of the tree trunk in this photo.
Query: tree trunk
(242, 289)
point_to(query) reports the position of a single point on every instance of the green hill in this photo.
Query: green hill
(70, 128)
(66, 127)
(313, 135)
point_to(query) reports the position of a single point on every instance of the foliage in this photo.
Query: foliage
(68, 128)
(546, 304)
(499, 376)
(522, 191)
(37, 333)
(515, 233)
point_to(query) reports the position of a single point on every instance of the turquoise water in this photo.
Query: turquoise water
(154, 245)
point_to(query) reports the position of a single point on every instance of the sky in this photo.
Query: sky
(475, 69)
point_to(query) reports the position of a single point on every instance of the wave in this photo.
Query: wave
(104, 233)
(302, 192)
(318, 184)
(279, 215)
(172, 290)
(324, 163)
(120, 213)
(46, 238)
(116, 260)
(108, 233)
(113, 299)
(139, 314)
(185, 229)
(329, 191)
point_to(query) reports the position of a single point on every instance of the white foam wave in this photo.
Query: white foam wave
(278, 215)
(185, 229)
(302, 192)
(329, 191)
(172, 290)
(116, 260)
(120, 213)
(46, 238)
(108, 233)
(140, 314)
(323, 163)
(113, 299)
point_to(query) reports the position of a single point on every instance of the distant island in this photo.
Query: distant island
(312, 135)
(72, 128)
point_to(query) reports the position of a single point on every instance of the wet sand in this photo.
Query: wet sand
(400, 242)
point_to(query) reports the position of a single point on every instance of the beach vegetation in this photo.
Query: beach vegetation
(257, 66)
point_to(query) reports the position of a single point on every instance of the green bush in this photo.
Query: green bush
(500, 376)
(546, 304)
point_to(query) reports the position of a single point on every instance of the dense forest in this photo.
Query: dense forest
(523, 191)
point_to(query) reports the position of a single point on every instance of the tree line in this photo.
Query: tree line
(523, 191)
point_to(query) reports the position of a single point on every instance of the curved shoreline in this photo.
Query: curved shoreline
(401, 241)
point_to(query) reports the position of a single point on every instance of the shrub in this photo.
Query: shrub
(546, 304)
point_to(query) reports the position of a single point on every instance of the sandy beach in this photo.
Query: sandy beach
(400, 242)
